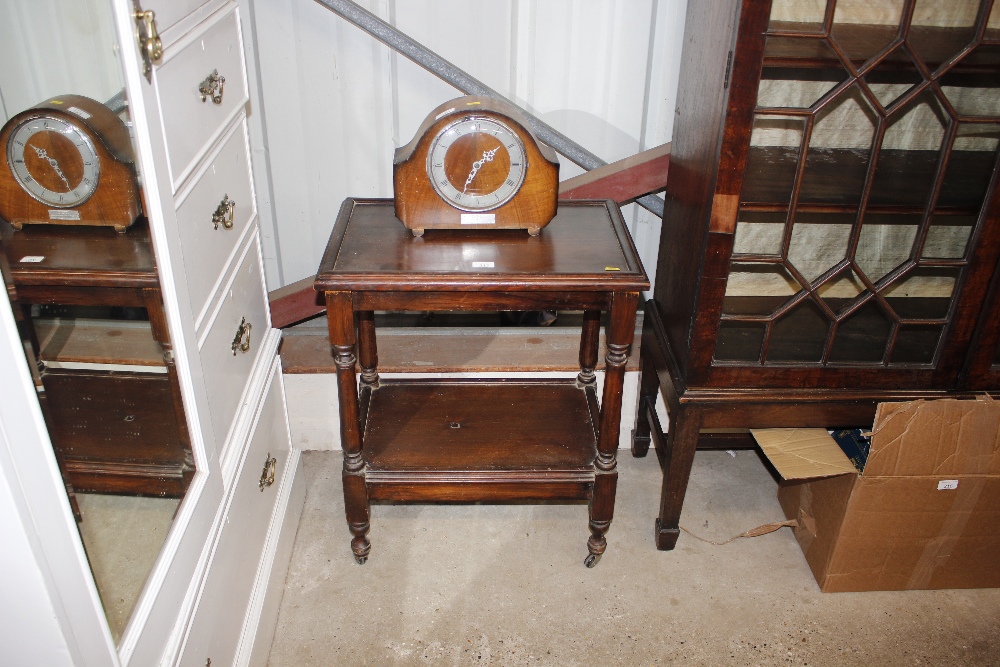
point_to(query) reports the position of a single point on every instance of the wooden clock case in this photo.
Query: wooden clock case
(115, 202)
(420, 207)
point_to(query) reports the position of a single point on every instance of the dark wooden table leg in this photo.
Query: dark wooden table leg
(340, 319)
(590, 340)
(620, 330)
(367, 348)
(649, 385)
(682, 441)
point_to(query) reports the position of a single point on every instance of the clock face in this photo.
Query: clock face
(53, 161)
(477, 163)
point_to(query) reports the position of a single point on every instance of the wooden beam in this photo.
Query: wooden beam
(623, 181)
(295, 302)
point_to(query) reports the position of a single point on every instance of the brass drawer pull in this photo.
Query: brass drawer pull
(267, 475)
(212, 87)
(150, 43)
(224, 213)
(242, 340)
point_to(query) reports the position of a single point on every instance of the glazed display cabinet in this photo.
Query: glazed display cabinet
(831, 229)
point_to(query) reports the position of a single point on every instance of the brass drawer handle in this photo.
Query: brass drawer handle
(212, 87)
(242, 340)
(267, 475)
(224, 213)
(150, 43)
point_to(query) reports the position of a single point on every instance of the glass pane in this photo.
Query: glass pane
(801, 15)
(840, 291)
(948, 237)
(892, 77)
(757, 289)
(816, 49)
(739, 341)
(916, 344)
(924, 293)
(908, 162)
(839, 147)
(771, 162)
(883, 247)
(800, 335)
(970, 166)
(815, 248)
(799, 93)
(974, 94)
(862, 28)
(759, 233)
(863, 336)
(940, 30)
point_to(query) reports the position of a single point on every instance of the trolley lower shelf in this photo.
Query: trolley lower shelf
(479, 440)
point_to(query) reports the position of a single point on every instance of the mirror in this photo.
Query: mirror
(88, 306)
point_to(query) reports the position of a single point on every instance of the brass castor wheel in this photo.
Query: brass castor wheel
(361, 560)
(592, 560)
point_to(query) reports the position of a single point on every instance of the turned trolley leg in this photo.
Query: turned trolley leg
(620, 331)
(340, 317)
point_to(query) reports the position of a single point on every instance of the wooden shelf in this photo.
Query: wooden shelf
(861, 42)
(90, 341)
(836, 177)
(455, 425)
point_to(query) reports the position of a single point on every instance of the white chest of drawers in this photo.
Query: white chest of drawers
(211, 597)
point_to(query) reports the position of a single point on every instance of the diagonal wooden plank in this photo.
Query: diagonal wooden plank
(623, 181)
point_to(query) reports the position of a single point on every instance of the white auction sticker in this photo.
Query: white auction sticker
(947, 484)
(478, 219)
(32, 259)
(482, 265)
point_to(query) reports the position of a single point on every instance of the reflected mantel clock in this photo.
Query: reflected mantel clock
(473, 164)
(68, 161)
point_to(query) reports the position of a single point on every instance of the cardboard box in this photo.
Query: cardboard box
(924, 513)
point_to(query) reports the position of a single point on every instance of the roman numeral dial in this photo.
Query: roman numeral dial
(476, 163)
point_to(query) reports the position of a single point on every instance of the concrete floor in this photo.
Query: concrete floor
(506, 585)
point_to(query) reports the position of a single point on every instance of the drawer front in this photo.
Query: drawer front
(173, 16)
(217, 623)
(213, 215)
(228, 355)
(190, 123)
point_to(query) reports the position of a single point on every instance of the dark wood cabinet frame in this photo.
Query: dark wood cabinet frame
(711, 184)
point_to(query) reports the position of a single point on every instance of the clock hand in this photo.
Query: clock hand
(44, 155)
(477, 165)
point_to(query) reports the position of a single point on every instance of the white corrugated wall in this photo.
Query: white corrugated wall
(336, 102)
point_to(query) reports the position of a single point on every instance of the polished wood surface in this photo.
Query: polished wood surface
(586, 240)
(117, 431)
(455, 426)
(479, 440)
(419, 207)
(116, 201)
(80, 257)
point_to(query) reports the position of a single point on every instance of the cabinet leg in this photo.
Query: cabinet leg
(681, 443)
(357, 507)
(602, 508)
(648, 387)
